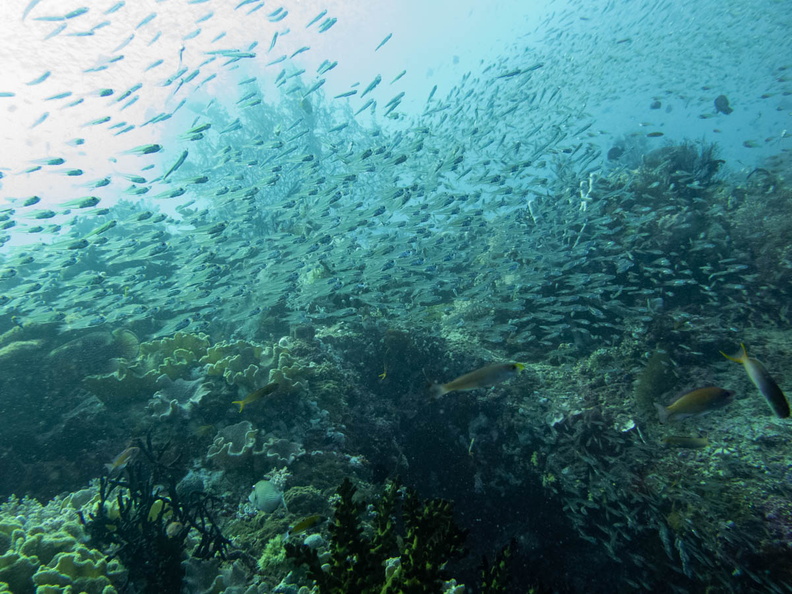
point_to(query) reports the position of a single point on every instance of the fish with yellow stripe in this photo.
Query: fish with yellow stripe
(256, 395)
(762, 379)
(485, 377)
(695, 403)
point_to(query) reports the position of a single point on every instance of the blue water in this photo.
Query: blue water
(348, 200)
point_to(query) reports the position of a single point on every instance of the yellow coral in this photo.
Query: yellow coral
(36, 557)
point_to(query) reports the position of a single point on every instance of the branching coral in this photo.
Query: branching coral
(359, 553)
(148, 526)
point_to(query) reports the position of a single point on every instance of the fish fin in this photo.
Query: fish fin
(740, 358)
(662, 413)
(241, 404)
(436, 390)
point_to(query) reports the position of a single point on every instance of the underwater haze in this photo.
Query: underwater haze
(347, 296)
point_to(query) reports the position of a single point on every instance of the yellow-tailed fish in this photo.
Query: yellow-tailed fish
(695, 403)
(126, 457)
(686, 441)
(481, 378)
(304, 524)
(255, 395)
(764, 381)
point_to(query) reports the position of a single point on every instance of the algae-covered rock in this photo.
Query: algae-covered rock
(306, 500)
(18, 349)
(656, 378)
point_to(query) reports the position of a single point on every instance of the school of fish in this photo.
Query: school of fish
(498, 210)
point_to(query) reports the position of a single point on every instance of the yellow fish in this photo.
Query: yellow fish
(763, 381)
(695, 403)
(304, 524)
(481, 378)
(255, 395)
(126, 457)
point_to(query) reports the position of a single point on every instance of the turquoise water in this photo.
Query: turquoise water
(344, 201)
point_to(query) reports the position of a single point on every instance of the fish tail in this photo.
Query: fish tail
(436, 390)
(663, 413)
(741, 358)
(241, 404)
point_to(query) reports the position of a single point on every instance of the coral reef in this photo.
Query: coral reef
(150, 527)
(177, 398)
(42, 550)
(361, 563)
(249, 365)
(240, 446)
(173, 357)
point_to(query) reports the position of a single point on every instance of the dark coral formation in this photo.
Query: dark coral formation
(420, 537)
(142, 519)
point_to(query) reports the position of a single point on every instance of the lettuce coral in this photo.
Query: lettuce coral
(240, 445)
(248, 365)
(239, 362)
(233, 445)
(174, 357)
